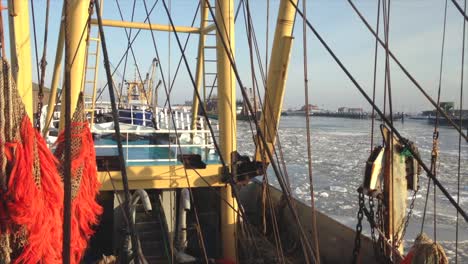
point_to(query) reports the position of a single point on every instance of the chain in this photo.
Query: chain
(357, 239)
(380, 224)
(371, 215)
(404, 226)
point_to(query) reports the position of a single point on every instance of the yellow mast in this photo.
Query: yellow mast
(146, 26)
(55, 79)
(76, 51)
(277, 73)
(20, 50)
(227, 119)
(200, 61)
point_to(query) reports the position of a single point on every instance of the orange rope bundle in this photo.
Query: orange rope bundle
(31, 211)
(85, 186)
(33, 203)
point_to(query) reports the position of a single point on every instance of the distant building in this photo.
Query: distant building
(355, 110)
(343, 110)
(350, 110)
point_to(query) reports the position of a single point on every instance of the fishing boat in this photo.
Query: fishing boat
(178, 191)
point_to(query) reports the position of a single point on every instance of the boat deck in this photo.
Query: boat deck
(152, 163)
(143, 152)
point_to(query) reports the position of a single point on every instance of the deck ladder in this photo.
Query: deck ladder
(91, 66)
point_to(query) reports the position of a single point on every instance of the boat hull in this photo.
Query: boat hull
(336, 241)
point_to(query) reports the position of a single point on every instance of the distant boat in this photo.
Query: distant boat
(395, 117)
(418, 117)
(444, 122)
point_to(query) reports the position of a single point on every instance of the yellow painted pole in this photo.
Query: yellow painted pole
(227, 119)
(95, 77)
(207, 29)
(77, 23)
(200, 62)
(96, 61)
(277, 73)
(140, 25)
(20, 50)
(55, 79)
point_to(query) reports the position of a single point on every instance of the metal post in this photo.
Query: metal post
(93, 99)
(77, 50)
(277, 72)
(227, 119)
(20, 51)
(200, 61)
(55, 79)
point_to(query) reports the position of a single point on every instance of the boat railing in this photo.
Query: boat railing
(169, 142)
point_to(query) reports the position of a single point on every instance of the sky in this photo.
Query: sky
(415, 37)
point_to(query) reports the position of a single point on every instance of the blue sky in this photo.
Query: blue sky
(415, 38)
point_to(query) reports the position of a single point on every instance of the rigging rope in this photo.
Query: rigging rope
(406, 72)
(126, 51)
(309, 144)
(463, 13)
(128, 46)
(35, 39)
(375, 76)
(435, 135)
(279, 158)
(267, 40)
(40, 93)
(265, 190)
(200, 234)
(386, 16)
(67, 181)
(180, 59)
(122, 163)
(380, 113)
(202, 108)
(140, 78)
(204, 112)
(459, 137)
(262, 138)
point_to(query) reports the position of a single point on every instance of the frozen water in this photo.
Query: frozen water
(340, 148)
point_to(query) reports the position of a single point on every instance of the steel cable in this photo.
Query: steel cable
(309, 144)
(126, 51)
(262, 138)
(435, 135)
(406, 72)
(375, 76)
(249, 106)
(380, 113)
(459, 137)
(67, 166)
(122, 163)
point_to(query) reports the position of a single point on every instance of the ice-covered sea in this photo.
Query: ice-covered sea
(340, 149)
